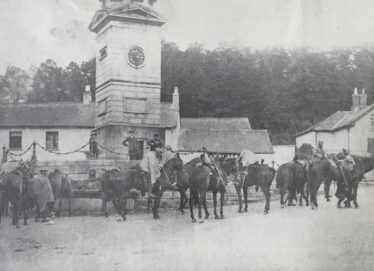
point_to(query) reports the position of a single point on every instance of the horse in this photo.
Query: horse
(320, 170)
(62, 189)
(292, 177)
(349, 193)
(14, 191)
(253, 175)
(202, 179)
(116, 185)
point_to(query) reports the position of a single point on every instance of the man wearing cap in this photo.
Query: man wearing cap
(155, 144)
(132, 143)
(94, 151)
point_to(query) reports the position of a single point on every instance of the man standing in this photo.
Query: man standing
(94, 151)
(132, 143)
(155, 144)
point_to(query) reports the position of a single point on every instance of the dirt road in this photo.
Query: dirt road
(294, 238)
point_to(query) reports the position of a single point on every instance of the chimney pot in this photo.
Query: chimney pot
(363, 91)
(355, 91)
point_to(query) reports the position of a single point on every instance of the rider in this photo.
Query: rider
(156, 145)
(320, 151)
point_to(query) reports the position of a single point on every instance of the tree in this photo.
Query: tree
(49, 84)
(14, 85)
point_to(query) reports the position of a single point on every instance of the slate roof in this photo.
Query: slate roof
(236, 124)
(70, 115)
(337, 121)
(225, 141)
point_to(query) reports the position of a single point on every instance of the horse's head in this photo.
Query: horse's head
(174, 167)
(229, 166)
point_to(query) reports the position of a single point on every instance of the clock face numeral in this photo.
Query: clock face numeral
(136, 57)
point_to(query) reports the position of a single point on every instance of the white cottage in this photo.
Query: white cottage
(352, 130)
(56, 127)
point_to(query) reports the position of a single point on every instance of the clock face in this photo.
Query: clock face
(136, 57)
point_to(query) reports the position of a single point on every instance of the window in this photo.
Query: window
(372, 120)
(15, 140)
(102, 107)
(136, 105)
(103, 53)
(51, 140)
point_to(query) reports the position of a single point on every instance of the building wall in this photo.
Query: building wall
(359, 135)
(68, 139)
(309, 138)
(334, 142)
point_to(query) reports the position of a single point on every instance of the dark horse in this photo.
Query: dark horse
(202, 179)
(116, 185)
(292, 178)
(61, 188)
(14, 191)
(348, 191)
(253, 175)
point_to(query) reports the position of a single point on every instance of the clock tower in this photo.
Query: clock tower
(128, 74)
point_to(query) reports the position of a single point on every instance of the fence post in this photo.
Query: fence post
(33, 157)
(5, 155)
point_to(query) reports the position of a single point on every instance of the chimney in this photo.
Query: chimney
(358, 100)
(87, 95)
(176, 99)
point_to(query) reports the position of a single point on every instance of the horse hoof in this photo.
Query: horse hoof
(266, 212)
(282, 206)
(240, 211)
(17, 226)
(207, 217)
(201, 221)
(119, 219)
(328, 200)
(106, 214)
(193, 220)
(217, 217)
(300, 204)
(25, 223)
(156, 217)
(245, 210)
(307, 204)
(222, 217)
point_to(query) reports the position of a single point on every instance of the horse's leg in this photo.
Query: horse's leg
(215, 204)
(59, 206)
(124, 208)
(238, 191)
(205, 207)
(192, 197)
(103, 206)
(245, 192)
(355, 188)
(222, 198)
(327, 185)
(69, 205)
(266, 191)
(158, 190)
(282, 193)
(199, 205)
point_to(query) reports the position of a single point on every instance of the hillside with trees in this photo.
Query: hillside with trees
(281, 90)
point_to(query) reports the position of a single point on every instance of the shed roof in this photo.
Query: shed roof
(338, 120)
(225, 141)
(75, 115)
(216, 123)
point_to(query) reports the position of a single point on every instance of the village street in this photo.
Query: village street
(294, 238)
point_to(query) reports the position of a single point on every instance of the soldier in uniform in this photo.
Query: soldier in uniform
(132, 143)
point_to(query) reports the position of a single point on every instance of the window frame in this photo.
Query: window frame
(10, 141)
(103, 52)
(129, 105)
(53, 148)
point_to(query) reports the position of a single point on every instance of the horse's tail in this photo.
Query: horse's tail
(279, 177)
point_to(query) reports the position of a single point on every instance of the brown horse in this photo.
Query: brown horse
(202, 179)
(292, 178)
(62, 189)
(348, 191)
(14, 191)
(320, 170)
(116, 185)
(253, 175)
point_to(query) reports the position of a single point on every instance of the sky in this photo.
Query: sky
(33, 31)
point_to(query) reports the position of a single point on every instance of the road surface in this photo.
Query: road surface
(294, 238)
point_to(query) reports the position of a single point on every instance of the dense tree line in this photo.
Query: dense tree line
(281, 90)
